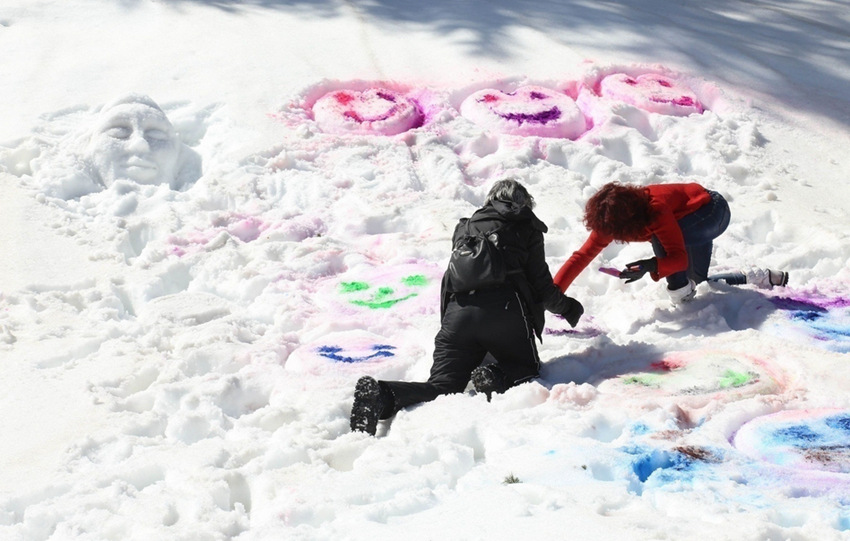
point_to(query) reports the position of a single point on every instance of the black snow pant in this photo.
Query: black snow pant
(494, 321)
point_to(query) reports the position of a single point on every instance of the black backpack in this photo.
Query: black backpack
(476, 262)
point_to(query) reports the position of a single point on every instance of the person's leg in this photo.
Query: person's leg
(456, 354)
(699, 229)
(508, 335)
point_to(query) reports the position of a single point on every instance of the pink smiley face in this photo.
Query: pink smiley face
(529, 110)
(651, 92)
(373, 111)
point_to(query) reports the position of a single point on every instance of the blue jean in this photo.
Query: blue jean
(699, 229)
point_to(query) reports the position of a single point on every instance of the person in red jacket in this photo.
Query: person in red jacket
(681, 222)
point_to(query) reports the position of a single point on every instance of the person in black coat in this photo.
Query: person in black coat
(502, 321)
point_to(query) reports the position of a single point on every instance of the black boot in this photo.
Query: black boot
(489, 379)
(371, 402)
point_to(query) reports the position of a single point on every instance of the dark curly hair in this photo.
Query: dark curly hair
(619, 211)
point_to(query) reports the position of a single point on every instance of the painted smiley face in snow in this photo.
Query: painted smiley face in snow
(826, 322)
(382, 297)
(373, 111)
(651, 92)
(699, 373)
(350, 351)
(529, 110)
(816, 439)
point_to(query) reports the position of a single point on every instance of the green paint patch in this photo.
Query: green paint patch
(731, 378)
(415, 280)
(379, 301)
(351, 287)
(382, 297)
(647, 380)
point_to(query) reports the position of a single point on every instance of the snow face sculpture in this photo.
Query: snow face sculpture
(651, 92)
(529, 110)
(372, 111)
(134, 140)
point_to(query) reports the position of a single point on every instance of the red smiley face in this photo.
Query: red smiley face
(652, 92)
(372, 111)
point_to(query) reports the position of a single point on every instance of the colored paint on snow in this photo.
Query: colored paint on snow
(384, 296)
(528, 110)
(335, 353)
(541, 118)
(343, 98)
(371, 111)
(415, 280)
(647, 380)
(734, 379)
(350, 287)
(651, 92)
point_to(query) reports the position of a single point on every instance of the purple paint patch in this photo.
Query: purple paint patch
(542, 117)
(631, 81)
(538, 96)
(574, 333)
(662, 82)
(353, 116)
(684, 101)
(385, 96)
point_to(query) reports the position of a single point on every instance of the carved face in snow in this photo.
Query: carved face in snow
(529, 110)
(134, 140)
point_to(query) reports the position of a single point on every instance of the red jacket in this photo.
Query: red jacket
(670, 202)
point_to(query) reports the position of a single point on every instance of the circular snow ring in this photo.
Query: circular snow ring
(817, 439)
(372, 111)
(529, 110)
(652, 92)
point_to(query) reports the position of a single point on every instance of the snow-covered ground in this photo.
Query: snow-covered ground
(179, 343)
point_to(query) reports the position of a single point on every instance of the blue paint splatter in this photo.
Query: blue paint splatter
(639, 429)
(798, 435)
(333, 353)
(839, 422)
(645, 465)
(807, 315)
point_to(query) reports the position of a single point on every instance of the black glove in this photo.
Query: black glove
(573, 312)
(635, 270)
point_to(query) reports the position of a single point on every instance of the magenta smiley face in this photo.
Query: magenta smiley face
(652, 92)
(372, 111)
(529, 110)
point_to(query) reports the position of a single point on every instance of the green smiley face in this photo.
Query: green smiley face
(378, 298)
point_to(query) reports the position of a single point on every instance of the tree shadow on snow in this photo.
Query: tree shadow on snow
(725, 36)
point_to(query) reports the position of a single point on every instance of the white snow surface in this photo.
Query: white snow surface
(177, 361)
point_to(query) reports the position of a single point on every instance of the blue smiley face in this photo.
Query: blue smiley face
(338, 354)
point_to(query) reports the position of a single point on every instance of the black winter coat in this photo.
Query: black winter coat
(521, 242)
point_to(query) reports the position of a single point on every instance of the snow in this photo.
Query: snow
(178, 350)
